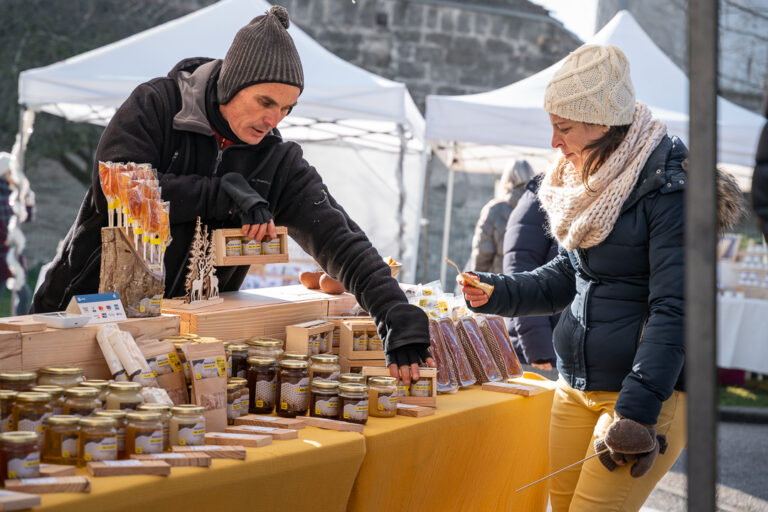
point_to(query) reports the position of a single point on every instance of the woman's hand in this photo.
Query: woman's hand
(542, 366)
(473, 295)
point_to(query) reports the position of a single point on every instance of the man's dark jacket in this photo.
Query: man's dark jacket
(527, 246)
(621, 327)
(760, 181)
(164, 123)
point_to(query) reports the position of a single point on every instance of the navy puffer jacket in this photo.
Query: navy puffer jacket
(622, 301)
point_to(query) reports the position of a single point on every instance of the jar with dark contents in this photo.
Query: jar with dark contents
(353, 403)
(382, 397)
(351, 378)
(324, 401)
(18, 381)
(30, 410)
(243, 399)
(57, 397)
(262, 381)
(143, 433)
(19, 455)
(64, 376)
(81, 401)
(293, 388)
(119, 417)
(239, 356)
(165, 417)
(101, 385)
(324, 366)
(233, 402)
(7, 401)
(98, 439)
(61, 439)
(265, 347)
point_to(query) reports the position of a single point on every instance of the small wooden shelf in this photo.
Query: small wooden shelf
(220, 237)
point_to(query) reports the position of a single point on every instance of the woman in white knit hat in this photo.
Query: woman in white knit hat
(614, 202)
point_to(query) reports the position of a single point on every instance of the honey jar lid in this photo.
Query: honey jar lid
(54, 391)
(239, 380)
(261, 361)
(143, 416)
(382, 381)
(62, 419)
(19, 437)
(124, 386)
(325, 384)
(32, 396)
(18, 375)
(187, 409)
(82, 392)
(208, 339)
(325, 359)
(60, 370)
(233, 386)
(352, 377)
(352, 387)
(238, 347)
(5, 394)
(154, 407)
(94, 383)
(98, 421)
(264, 342)
(117, 414)
(293, 364)
(293, 356)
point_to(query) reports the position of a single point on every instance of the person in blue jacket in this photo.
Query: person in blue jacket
(614, 201)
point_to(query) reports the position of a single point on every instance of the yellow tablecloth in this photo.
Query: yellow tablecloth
(472, 455)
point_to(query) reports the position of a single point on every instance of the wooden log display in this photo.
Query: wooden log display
(123, 271)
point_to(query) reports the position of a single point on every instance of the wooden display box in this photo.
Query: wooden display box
(297, 336)
(350, 329)
(357, 365)
(424, 373)
(221, 236)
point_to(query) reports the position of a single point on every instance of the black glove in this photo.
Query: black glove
(249, 205)
(408, 355)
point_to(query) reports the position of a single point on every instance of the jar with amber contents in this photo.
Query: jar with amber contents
(353, 403)
(265, 347)
(98, 439)
(233, 402)
(17, 381)
(244, 398)
(262, 382)
(124, 395)
(143, 433)
(382, 397)
(81, 401)
(187, 425)
(239, 356)
(7, 400)
(61, 439)
(165, 418)
(324, 401)
(57, 397)
(30, 410)
(293, 388)
(351, 378)
(63, 376)
(119, 417)
(19, 455)
(101, 385)
(324, 366)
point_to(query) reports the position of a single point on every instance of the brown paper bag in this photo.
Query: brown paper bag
(207, 363)
(163, 359)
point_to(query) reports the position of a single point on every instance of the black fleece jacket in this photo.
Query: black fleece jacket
(164, 122)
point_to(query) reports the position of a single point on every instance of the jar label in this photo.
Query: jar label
(192, 435)
(164, 364)
(209, 367)
(151, 442)
(233, 409)
(24, 466)
(166, 435)
(31, 421)
(357, 411)
(361, 342)
(264, 392)
(294, 396)
(241, 373)
(126, 406)
(173, 359)
(327, 408)
(100, 449)
(81, 411)
(5, 423)
(387, 402)
(122, 463)
(402, 390)
(420, 388)
(69, 446)
(228, 367)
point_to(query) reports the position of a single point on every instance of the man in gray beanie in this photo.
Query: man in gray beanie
(210, 129)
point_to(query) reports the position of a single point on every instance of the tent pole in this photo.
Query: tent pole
(422, 239)
(401, 192)
(447, 226)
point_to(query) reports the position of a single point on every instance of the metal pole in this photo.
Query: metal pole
(423, 237)
(700, 256)
(401, 193)
(447, 226)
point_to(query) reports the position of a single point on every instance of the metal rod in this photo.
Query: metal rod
(447, 227)
(401, 193)
(700, 256)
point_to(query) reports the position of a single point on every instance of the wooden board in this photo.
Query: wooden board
(512, 388)
(178, 459)
(424, 373)
(50, 484)
(276, 433)
(214, 452)
(129, 467)
(10, 500)
(198, 304)
(21, 324)
(343, 426)
(271, 421)
(414, 411)
(56, 470)
(356, 365)
(239, 439)
(10, 350)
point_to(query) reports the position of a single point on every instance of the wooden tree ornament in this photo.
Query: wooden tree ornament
(202, 285)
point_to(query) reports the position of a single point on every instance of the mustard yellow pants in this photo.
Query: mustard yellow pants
(580, 417)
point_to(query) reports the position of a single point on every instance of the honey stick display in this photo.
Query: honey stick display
(447, 381)
(481, 361)
(497, 339)
(466, 376)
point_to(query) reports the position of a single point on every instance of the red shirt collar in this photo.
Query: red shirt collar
(223, 143)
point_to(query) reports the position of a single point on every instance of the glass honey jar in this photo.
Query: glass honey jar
(98, 439)
(239, 356)
(61, 439)
(57, 397)
(382, 397)
(324, 366)
(265, 347)
(353, 403)
(17, 380)
(101, 385)
(165, 418)
(7, 401)
(30, 410)
(124, 395)
(351, 378)
(293, 388)
(187, 425)
(324, 401)
(119, 417)
(19, 455)
(143, 433)
(81, 401)
(63, 376)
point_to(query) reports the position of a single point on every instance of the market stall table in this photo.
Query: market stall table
(741, 326)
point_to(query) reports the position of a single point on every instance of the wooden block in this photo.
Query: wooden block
(18, 500)
(129, 467)
(50, 484)
(229, 438)
(510, 387)
(276, 433)
(10, 350)
(178, 459)
(185, 306)
(214, 451)
(414, 411)
(357, 365)
(21, 324)
(271, 421)
(57, 470)
(325, 423)
(424, 373)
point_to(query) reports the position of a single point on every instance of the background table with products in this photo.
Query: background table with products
(741, 326)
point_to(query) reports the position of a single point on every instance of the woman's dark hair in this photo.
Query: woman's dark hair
(600, 150)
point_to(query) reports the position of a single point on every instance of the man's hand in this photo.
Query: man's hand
(473, 295)
(404, 362)
(542, 366)
(259, 232)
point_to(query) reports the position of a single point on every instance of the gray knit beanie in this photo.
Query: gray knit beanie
(262, 51)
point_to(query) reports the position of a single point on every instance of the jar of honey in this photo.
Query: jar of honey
(19, 455)
(119, 417)
(124, 395)
(7, 401)
(30, 410)
(293, 388)
(63, 376)
(353, 403)
(81, 401)
(17, 380)
(187, 425)
(262, 384)
(143, 433)
(61, 439)
(98, 439)
(165, 418)
(382, 397)
(57, 397)
(324, 401)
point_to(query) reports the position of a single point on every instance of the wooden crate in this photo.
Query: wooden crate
(424, 373)
(356, 365)
(297, 336)
(348, 331)
(220, 237)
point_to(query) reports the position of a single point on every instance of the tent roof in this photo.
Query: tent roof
(513, 115)
(90, 86)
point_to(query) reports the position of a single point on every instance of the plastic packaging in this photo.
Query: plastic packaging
(497, 338)
(480, 359)
(464, 373)
(447, 381)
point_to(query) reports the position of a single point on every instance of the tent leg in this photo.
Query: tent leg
(447, 227)
(401, 193)
(422, 237)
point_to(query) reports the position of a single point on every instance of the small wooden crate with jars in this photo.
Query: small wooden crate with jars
(315, 337)
(234, 248)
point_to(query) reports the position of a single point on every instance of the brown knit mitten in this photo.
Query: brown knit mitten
(629, 441)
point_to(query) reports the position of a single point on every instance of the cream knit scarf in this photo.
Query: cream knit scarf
(579, 218)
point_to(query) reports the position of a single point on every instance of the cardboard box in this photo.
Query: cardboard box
(129, 467)
(297, 337)
(222, 236)
(429, 374)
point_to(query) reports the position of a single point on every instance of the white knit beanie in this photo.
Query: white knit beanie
(593, 86)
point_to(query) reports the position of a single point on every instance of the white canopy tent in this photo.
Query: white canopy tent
(354, 122)
(462, 129)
